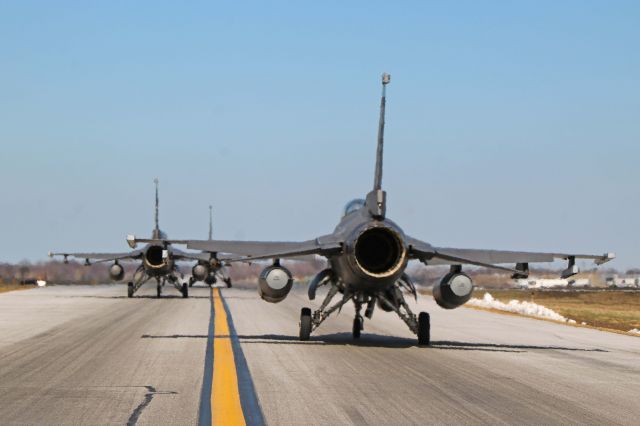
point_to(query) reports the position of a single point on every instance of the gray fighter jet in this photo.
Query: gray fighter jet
(368, 254)
(212, 270)
(158, 259)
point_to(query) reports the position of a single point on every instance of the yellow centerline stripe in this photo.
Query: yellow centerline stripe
(225, 397)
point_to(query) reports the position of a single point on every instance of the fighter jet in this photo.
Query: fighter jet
(158, 261)
(367, 256)
(212, 270)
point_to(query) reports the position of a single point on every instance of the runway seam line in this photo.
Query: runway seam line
(133, 418)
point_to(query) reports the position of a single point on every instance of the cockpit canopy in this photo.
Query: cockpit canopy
(353, 206)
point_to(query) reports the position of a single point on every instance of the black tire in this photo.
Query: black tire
(305, 324)
(185, 290)
(228, 281)
(424, 329)
(191, 282)
(159, 291)
(358, 325)
(130, 290)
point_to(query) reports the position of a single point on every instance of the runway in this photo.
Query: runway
(89, 355)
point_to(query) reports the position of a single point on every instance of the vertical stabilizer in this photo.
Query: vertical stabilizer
(156, 230)
(376, 199)
(210, 223)
(377, 183)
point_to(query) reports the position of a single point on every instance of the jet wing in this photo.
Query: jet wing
(183, 255)
(256, 250)
(489, 258)
(101, 257)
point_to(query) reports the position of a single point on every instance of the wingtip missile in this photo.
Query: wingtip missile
(607, 257)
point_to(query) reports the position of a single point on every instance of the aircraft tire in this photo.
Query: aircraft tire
(185, 290)
(130, 289)
(424, 329)
(357, 326)
(305, 324)
(228, 282)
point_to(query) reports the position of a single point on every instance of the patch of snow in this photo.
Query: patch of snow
(634, 331)
(519, 307)
(583, 323)
(41, 283)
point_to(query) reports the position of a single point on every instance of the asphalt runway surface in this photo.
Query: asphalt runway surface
(89, 355)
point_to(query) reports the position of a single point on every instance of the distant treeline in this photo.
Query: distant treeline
(58, 272)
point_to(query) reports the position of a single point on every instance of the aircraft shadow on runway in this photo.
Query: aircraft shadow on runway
(174, 336)
(168, 297)
(377, 340)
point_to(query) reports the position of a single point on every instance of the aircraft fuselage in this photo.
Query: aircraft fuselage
(374, 255)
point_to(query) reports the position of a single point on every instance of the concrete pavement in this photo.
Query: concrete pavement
(89, 355)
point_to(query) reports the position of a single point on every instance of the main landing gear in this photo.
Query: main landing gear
(390, 300)
(185, 290)
(424, 329)
(227, 281)
(305, 324)
(358, 326)
(139, 278)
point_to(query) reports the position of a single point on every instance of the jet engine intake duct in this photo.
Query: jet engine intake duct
(154, 256)
(379, 252)
(275, 283)
(453, 291)
(116, 272)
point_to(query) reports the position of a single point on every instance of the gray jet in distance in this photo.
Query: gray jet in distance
(159, 261)
(203, 270)
(368, 254)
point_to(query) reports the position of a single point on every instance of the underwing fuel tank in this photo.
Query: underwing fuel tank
(453, 291)
(116, 272)
(275, 283)
(200, 271)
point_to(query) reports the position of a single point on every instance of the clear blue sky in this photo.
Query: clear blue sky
(510, 125)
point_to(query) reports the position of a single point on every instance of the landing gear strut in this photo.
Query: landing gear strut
(391, 299)
(308, 323)
(420, 325)
(139, 278)
(358, 321)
